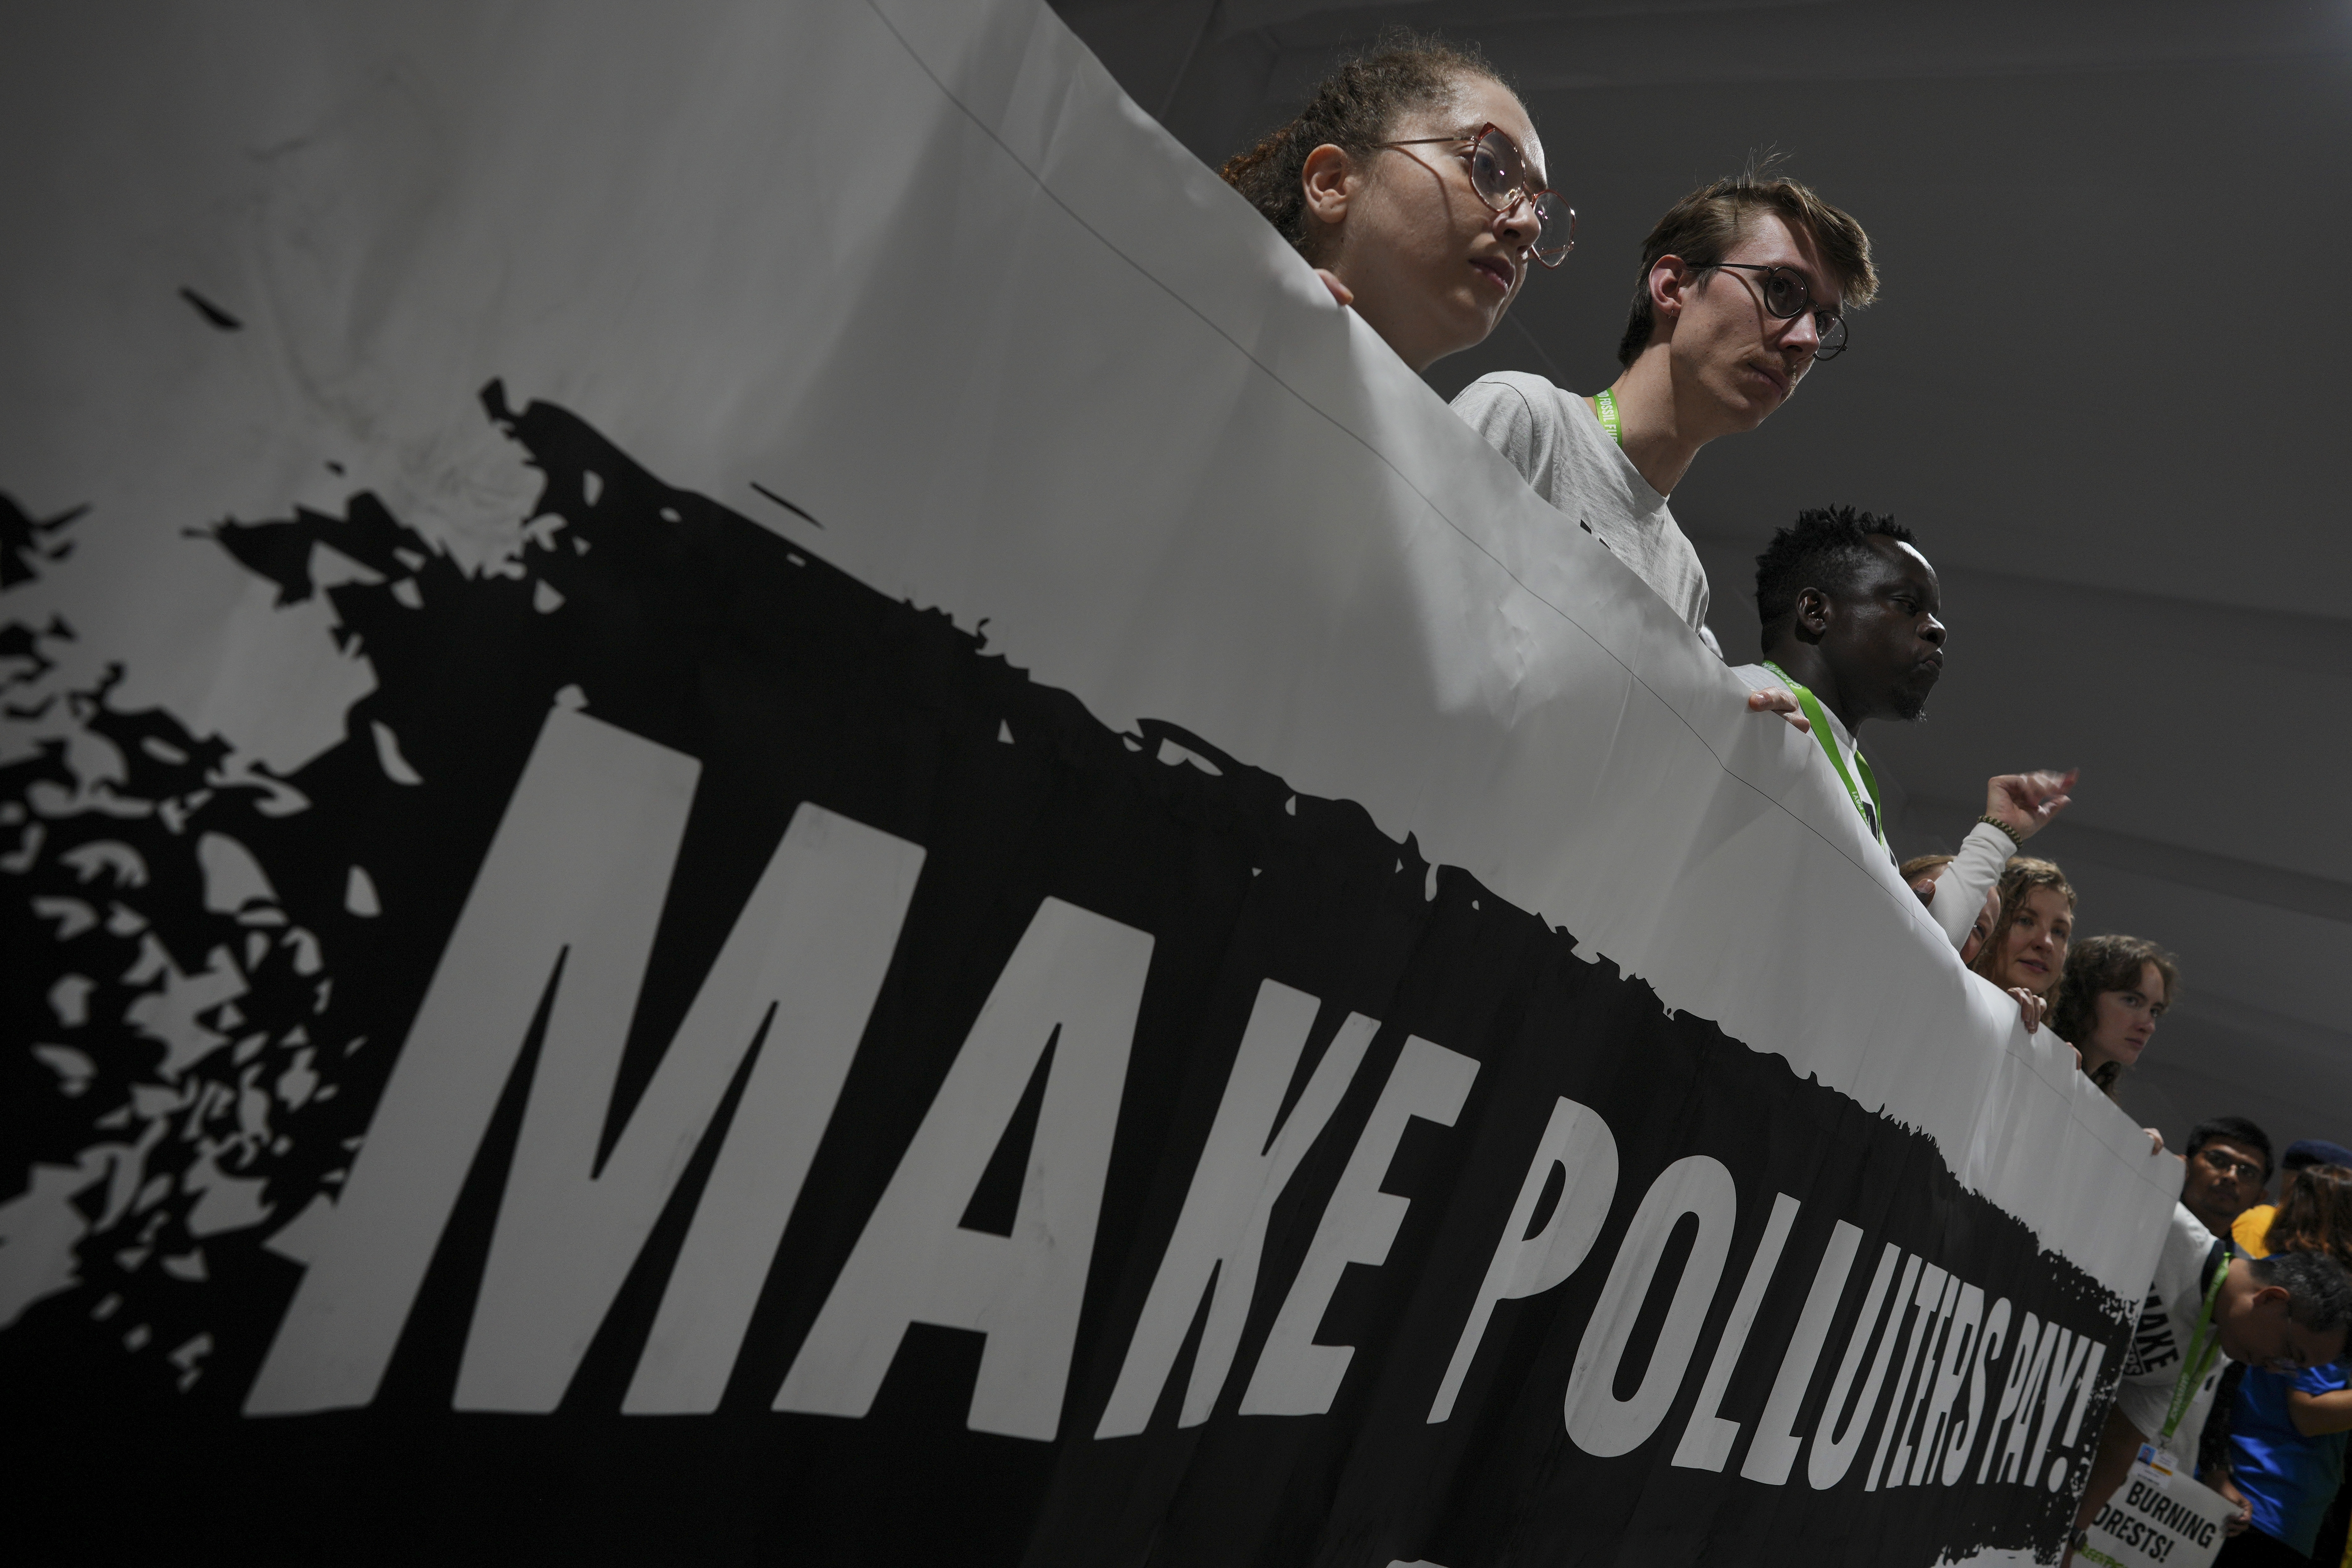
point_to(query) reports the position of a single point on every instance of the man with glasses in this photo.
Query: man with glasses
(1743, 286)
(2229, 1165)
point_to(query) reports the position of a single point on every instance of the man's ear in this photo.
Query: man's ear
(1328, 180)
(1671, 284)
(1812, 621)
(2268, 1293)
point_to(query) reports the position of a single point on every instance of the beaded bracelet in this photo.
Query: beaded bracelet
(1989, 821)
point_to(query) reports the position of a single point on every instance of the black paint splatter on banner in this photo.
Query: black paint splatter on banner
(211, 971)
(213, 314)
(26, 543)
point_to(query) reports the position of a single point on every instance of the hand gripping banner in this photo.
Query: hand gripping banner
(762, 803)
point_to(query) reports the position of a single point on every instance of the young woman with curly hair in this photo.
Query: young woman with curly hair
(2027, 947)
(1413, 180)
(2113, 991)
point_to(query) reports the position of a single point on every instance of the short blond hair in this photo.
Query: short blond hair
(1703, 228)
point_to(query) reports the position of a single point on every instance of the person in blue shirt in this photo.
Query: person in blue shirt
(2287, 1433)
(2287, 1438)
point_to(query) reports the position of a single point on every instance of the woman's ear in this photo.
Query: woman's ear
(1329, 181)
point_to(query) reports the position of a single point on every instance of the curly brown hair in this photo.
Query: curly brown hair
(2106, 964)
(2019, 879)
(2314, 1213)
(1356, 107)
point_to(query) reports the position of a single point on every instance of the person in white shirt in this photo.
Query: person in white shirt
(1745, 285)
(2016, 806)
(2207, 1307)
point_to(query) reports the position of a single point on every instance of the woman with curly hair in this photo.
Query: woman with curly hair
(1413, 182)
(2113, 990)
(2315, 1211)
(2025, 951)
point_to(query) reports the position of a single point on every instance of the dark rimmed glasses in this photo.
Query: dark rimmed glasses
(1498, 172)
(1787, 295)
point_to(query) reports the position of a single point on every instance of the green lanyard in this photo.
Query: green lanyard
(1605, 404)
(1873, 814)
(2202, 1348)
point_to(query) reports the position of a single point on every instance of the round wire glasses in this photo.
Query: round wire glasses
(1498, 172)
(1787, 295)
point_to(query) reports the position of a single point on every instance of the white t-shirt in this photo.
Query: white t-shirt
(1559, 446)
(1756, 678)
(2160, 1344)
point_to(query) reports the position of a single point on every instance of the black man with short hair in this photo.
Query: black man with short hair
(1850, 610)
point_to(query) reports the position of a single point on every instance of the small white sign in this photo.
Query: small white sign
(2157, 1516)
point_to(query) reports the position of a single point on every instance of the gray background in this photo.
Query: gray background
(2103, 382)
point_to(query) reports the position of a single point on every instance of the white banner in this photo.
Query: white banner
(357, 356)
